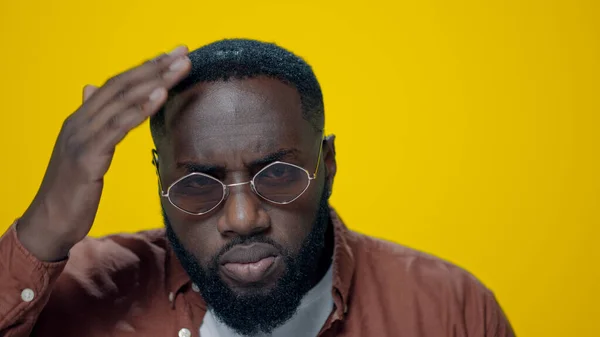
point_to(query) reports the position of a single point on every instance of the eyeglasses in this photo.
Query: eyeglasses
(199, 193)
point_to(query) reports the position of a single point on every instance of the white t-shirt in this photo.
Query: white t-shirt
(308, 320)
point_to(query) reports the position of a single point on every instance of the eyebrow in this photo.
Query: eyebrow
(201, 168)
(278, 155)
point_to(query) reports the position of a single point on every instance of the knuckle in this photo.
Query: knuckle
(113, 122)
(121, 95)
(134, 117)
(122, 123)
(68, 122)
(158, 65)
(114, 80)
(159, 59)
(159, 75)
(154, 65)
(149, 63)
(119, 80)
(138, 108)
(118, 131)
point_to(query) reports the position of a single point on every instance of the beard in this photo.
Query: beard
(259, 310)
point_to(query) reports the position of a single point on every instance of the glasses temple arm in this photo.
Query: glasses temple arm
(318, 160)
(155, 163)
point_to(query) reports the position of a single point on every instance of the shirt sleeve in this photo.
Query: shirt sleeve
(25, 285)
(496, 321)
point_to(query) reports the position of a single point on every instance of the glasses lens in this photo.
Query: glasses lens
(281, 183)
(197, 193)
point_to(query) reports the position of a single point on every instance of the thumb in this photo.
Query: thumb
(88, 90)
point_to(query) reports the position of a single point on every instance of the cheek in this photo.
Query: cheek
(200, 238)
(289, 229)
(292, 223)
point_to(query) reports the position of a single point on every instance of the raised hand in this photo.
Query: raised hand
(63, 210)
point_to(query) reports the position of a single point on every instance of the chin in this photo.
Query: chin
(252, 290)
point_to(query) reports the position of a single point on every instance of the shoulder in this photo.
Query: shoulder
(415, 287)
(414, 274)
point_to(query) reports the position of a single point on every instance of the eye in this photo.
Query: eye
(281, 182)
(280, 174)
(278, 171)
(197, 184)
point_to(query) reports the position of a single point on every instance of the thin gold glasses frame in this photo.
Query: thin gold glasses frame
(227, 186)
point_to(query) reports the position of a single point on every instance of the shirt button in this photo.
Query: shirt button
(27, 295)
(171, 297)
(195, 287)
(184, 333)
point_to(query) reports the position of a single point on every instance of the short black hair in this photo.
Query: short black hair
(245, 58)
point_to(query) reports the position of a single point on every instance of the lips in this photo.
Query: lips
(246, 264)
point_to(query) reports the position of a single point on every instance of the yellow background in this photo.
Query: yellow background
(468, 129)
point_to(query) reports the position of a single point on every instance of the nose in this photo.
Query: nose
(243, 214)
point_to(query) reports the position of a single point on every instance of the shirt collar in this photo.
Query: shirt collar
(175, 277)
(343, 265)
(343, 268)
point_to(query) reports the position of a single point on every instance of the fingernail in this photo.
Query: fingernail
(178, 64)
(179, 51)
(156, 94)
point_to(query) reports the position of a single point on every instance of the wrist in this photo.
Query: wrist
(34, 231)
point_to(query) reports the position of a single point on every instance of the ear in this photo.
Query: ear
(329, 160)
(88, 91)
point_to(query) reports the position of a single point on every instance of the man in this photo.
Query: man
(251, 246)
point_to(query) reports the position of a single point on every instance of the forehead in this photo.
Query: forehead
(236, 118)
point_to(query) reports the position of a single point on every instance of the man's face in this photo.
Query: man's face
(247, 254)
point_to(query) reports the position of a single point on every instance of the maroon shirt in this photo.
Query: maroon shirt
(133, 285)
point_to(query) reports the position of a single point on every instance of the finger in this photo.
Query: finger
(137, 96)
(88, 91)
(141, 90)
(177, 61)
(107, 138)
